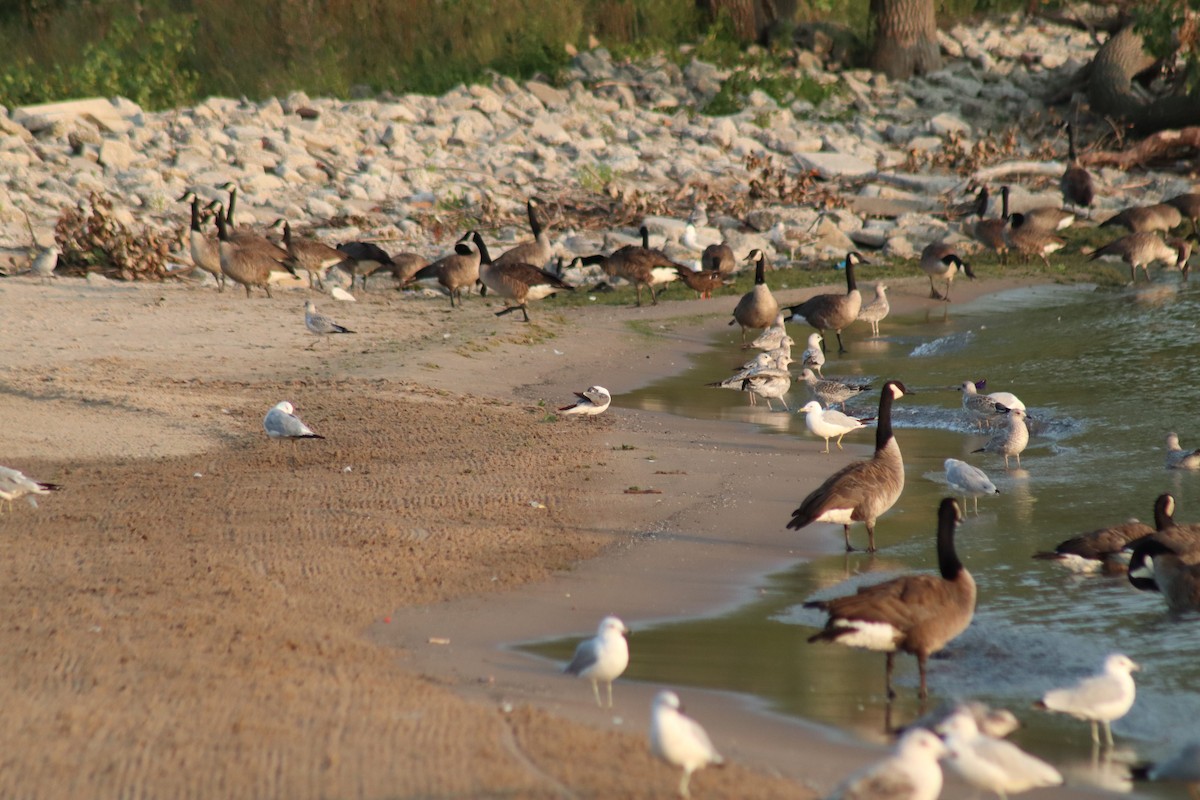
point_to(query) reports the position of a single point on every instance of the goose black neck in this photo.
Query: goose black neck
(484, 256)
(222, 227)
(196, 213)
(534, 224)
(949, 564)
(232, 203)
(287, 233)
(850, 284)
(883, 426)
(981, 202)
(1071, 143)
(645, 232)
(1163, 512)
(1004, 202)
(760, 266)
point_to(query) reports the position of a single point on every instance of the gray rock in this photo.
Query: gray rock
(116, 155)
(834, 165)
(549, 96)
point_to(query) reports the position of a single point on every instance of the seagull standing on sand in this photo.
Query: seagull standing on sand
(968, 481)
(281, 423)
(910, 773)
(44, 262)
(319, 324)
(590, 403)
(678, 739)
(994, 765)
(829, 423)
(14, 485)
(603, 657)
(1100, 698)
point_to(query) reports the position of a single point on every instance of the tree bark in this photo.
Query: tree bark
(1111, 93)
(905, 38)
(740, 13)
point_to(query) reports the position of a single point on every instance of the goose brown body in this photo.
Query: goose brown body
(916, 614)
(1097, 550)
(1029, 240)
(1140, 250)
(704, 281)
(636, 264)
(314, 257)
(718, 257)
(537, 252)
(834, 311)
(990, 232)
(1145, 219)
(757, 308)
(1189, 206)
(247, 240)
(516, 281)
(1076, 182)
(205, 250)
(455, 272)
(941, 260)
(244, 266)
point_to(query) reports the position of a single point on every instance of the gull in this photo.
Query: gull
(603, 657)
(44, 262)
(281, 423)
(768, 383)
(994, 722)
(1100, 698)
(678, 739)
(910, 773)
(14, 484)
(1011, 440)
(994, 765)
(877, 309)
(829, 423)
(968, 481)
(591, 402)
(773, 336)
(980, 408)
(1178, 458)
(775, 361)
(320, 324)
(814, 355)
(1182, 767)
(829, 391)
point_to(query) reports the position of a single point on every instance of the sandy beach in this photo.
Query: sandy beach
(204, 612)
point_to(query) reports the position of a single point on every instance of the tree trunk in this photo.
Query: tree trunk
(905, 38)
(740, 13)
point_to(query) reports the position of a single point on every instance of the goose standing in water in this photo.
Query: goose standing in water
(917, 614)
(968, 481)
(877, 310)
(828, 423)
(864, 490)
(833, 311)
(1009, 440)
(1140, 250)
(758, 307)
(1101, 698)
(678, 739)
(1099, 550)
(941, 260)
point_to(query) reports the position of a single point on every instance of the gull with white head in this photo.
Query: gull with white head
(319, 324)
(910, 773)
(593, 401)
(1100, 698)
(968, 481)
(282, 423)
(678, 739)
(602, 658)
(828, 423)
(994, 765)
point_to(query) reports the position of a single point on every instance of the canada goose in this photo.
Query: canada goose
(917, 614)
(1028, 240)
(814, 354)
(319, 324)
(941, 260)
(912, 772)
(833, 311)
(1189, 206)
(1009, 440)
(1099, 550)
(595, 400)
(968, 481)
(758, 307)
(516, 281)
(1142, 250)
(282, 423)
(877, 310)
(1183, 538)
(1046, 219)
(602, 658)
(768, 383)
(830, 391)
(678, 739)
(539, 251)
(773, 336)
(1076, 182)
(246, 239)
(863, 490)
(638, 265)
(1101, 698)
(1178, 458)
(309, 255)
(204, 249)
(248, 266)
(719, 258)
(980, 408)
(703, 282)
(1146, 219)
(1173, 571)
(994, 765)
(361, 259)
(990, 232)
(404, 267)
(457, 271)
(828, 423)
(14, 485)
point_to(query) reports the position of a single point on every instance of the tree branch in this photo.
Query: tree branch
(1175, 143)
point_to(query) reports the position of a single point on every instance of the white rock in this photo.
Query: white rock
(946, 123)
(834, 165)
(116, 155)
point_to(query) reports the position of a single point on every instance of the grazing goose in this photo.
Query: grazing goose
(993, 765)
(1189, 207)
(404, 267)
(703, 282)
(833, 311)
(1009, 440)
(814, 354)
(1160, 565)
(968, 481)
(1101, 698)
(917, 614)
(863, 490)
(1028, 240)
(281, 422)
(245, 238)
(539, 251)
(640, 265)
(309, 255)
(773, 337)
(990, 232)
(602, 658)
(877, 310)
(244, 266)
(678, 739)
(516, 281)
(719, 258)
(457, 271)
(980, 408)
(362, 259)
(1099, 550)
(912, 772)
(830, 392)
(1178, 458)
(758, 307)
(1045, 219)
(595, 400)
(829, 423)
(768, 383)
(940, 260)
(1181, 767)
(1146, 219)
(1076, 182)
(1142, 250)
(14, 485)
(206, 253)
(319, 324)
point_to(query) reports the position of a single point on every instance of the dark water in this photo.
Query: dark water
(1105, 375)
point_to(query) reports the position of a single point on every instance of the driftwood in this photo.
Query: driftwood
(1048, 168)
(1171, 143)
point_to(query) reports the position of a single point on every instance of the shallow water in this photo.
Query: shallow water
(1105, 375)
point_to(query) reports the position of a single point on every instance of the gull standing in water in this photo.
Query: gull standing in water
(14, 485)
(591, 402)
(877, 310)
(768, 383)
(831, 392)
(678, 739)
(603, 657)
(911, 773)
(319, 324)
(828, 423)
(1010, 440)
(968, 481)
(994, 765)
(1100, 698)
(814, 356)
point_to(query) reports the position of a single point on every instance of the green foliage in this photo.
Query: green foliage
(768, 75)
(1171, 31)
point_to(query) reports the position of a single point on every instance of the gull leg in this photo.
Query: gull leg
(610, 694)
(1108, 733)
(683, 784)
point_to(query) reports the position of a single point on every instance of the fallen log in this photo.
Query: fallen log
(1175, 144)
